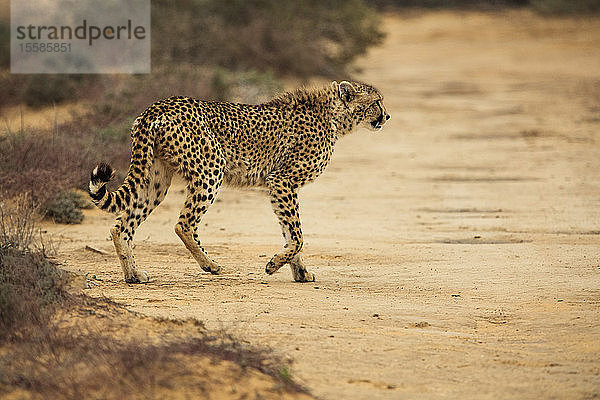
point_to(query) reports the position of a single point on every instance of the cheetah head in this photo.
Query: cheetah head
(364, 103)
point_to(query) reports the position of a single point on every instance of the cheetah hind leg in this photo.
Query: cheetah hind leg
(197, 202)
(124, 251)
(148, 198)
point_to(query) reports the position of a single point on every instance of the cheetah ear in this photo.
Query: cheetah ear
(346, 91)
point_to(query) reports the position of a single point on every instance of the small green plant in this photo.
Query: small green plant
(285, 374)
(66, 207)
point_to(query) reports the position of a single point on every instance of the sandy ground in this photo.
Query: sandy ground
(457, 252)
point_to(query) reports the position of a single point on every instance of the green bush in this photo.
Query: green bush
(40, 90)
(66, 207)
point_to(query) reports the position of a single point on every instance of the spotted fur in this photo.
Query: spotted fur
(280, 145)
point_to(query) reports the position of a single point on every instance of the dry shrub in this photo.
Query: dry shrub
(30, 285)
(18, 219)
(47, 166)
(44, 164)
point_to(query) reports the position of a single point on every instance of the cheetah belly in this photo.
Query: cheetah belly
(239, 174)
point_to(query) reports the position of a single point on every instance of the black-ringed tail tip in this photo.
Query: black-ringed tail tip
(100, 175)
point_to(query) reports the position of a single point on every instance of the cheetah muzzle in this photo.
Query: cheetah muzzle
(280, 145)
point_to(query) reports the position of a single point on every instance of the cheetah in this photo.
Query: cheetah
(279, 145)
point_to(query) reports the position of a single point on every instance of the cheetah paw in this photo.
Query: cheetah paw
(215, 270)
(139, 277)
(305, 277)
(271, 268)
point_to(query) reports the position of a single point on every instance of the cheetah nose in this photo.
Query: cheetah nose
(387, 117)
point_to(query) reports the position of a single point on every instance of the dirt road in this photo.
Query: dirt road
(457, 252)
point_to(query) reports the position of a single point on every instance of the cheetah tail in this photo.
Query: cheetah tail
(99, 177)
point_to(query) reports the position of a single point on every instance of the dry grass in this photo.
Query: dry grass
(75, 360)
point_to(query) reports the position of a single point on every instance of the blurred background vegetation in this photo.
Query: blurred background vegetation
(239, 50)
(541, 6)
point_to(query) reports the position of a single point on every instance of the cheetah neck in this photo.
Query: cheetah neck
(323, 102)
(341, 121)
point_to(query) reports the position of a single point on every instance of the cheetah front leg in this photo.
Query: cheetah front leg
(284, 199)
(299, 271)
